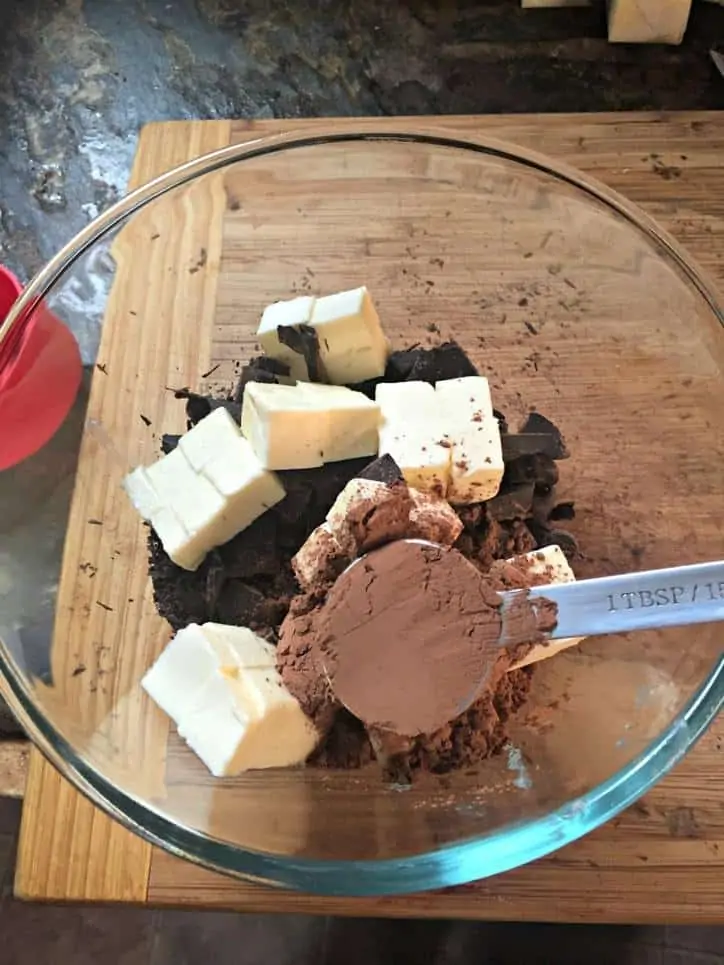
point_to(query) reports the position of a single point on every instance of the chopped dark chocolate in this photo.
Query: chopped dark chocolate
(168, 442)
(261, 369)
(368, 387)
(304, 340)
(516, 503)
(254, 551)
(310, 495)
(537, 423)
(516, 444)
(446, 361)
(383, 470)
(562, 511)
(502, 421)
(536, 468)
(546, 473)
(258, 581)
(199, 406)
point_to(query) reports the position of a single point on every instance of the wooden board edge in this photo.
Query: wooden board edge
(523, 894)
(97, 859)
(152, 893)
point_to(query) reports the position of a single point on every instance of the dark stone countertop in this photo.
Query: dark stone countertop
(80, 77)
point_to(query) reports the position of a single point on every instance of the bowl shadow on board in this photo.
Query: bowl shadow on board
(35, 498)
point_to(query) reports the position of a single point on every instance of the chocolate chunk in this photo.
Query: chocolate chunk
(168, 442)
(369, 386)
(537, 423)
(384, 470)
(543, 502)
(517, 444)
(562, 511)
(447, 361)
(502, 421)
(310, 494)
(199, 406)
(537, 468)
(180, 596)
(240, 604)
(303, 340)
(516, 503)
(546, 473)
(545, 535)
(400, 364)
(261, 369)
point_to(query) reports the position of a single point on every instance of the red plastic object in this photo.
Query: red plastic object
(40, 372)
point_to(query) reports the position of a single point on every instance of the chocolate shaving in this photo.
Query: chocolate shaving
(538, 424)
(383, 470)
(502, 421)
(303, 340)
(169, 442)
(446, 361)
(261, 369)
(199, 406)
(562, 511)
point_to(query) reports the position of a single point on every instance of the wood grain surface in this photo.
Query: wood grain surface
(658, 861)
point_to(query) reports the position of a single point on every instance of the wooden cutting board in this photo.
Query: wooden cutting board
(662, 860)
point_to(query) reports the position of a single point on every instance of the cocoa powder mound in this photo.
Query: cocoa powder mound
(478, 733)
(298, 663)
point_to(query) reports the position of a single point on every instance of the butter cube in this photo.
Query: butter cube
(477, 454)
(647, 21)
(221, 687)
(186, 549)
(193, 502)
(354, 421)
(303, 426)
(286, 429)
(204, 492)
(139, 487)
(196, 653)
(248, 723)
(352, 345)
(414, 433)
(547, 565)
(294, 312)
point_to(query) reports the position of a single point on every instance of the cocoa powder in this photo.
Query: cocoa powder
(409, 637)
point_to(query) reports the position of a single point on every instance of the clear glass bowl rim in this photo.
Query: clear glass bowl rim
(453, 864)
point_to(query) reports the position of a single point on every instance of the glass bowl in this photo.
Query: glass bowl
(569, 298)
